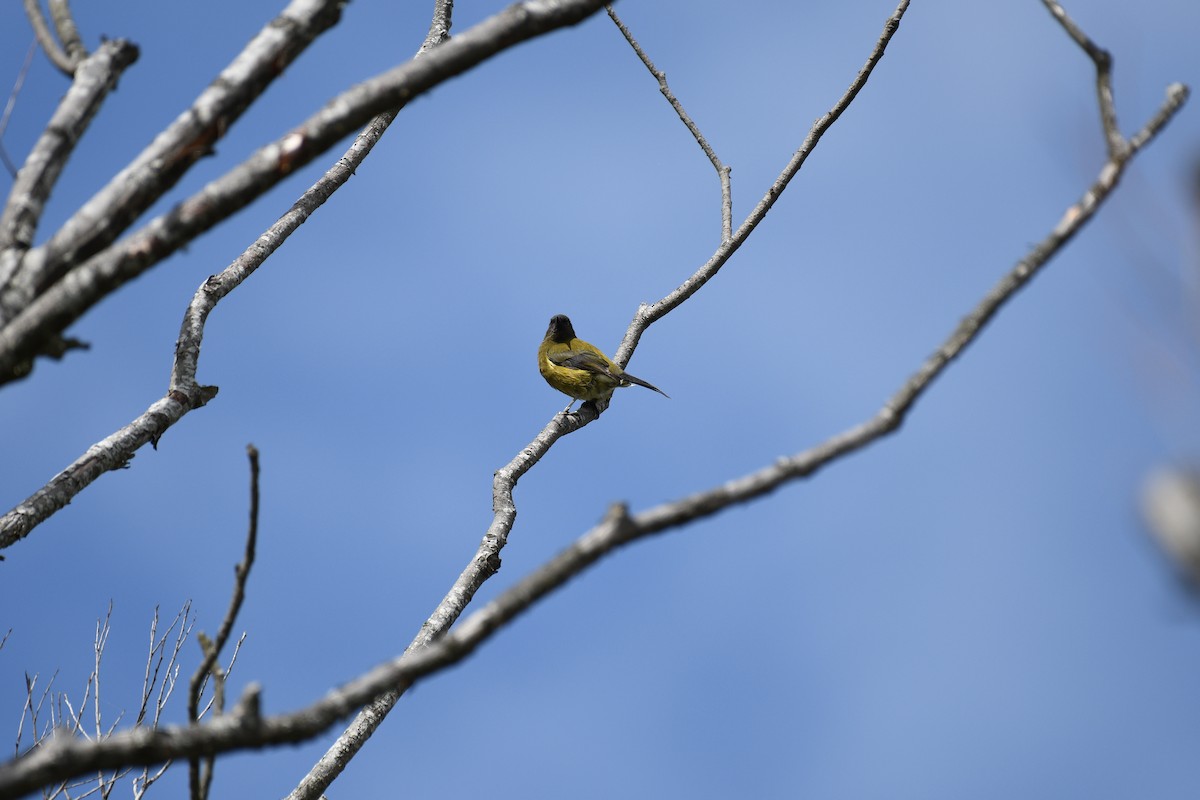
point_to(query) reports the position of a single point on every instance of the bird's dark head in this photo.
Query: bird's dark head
(560, 329)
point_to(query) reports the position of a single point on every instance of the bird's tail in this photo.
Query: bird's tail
(630, 379)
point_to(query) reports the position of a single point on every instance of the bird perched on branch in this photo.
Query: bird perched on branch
(578, 369)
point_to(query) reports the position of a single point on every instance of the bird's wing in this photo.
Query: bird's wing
(584, 360)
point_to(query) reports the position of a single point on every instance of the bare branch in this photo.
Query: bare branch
(661, 77)
(98, 644)
(199, 780)
(68, 33)
(111, 453)
(41, 29)
(241, 576)
(1104, 90)
(94, 79)
(155, 658)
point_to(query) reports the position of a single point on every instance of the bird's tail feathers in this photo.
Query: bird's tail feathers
(630, 379)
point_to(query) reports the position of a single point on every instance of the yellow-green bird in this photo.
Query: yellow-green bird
(578, 369)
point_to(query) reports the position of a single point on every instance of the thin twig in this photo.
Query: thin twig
(156, 656)
(648, 314)
(200, 780)
(1102, 60)
(101, 639)
(661, 77)
(12, 103)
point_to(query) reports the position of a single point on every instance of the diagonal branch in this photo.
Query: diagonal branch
(41, 29)
(68, 32)
(94, 78)
(1104, 89)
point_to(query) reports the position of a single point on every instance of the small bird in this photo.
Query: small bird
(578, 369)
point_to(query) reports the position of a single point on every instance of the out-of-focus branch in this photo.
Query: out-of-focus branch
(41, 29)
(156, 693)
(661, 77)
(68, 33)
(70, 719)
(68, 298)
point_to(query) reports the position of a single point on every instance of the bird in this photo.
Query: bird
(578, 369)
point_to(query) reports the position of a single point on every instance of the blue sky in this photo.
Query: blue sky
(967, 608)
